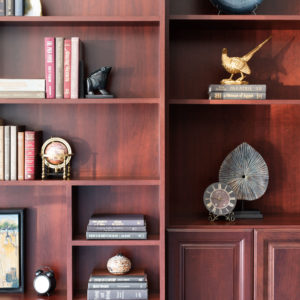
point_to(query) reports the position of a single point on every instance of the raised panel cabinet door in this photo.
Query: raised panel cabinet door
(210, 264)
(277, 264)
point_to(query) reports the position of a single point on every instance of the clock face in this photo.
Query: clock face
(41, 284)
(219, 199)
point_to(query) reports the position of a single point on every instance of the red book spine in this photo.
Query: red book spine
(30, 155)
(67, 69)
(50, 66)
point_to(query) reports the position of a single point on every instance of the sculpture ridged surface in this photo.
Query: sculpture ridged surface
(246, 172)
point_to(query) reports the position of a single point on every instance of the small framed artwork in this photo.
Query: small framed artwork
(11, 250)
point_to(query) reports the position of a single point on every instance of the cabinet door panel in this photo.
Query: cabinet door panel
(277, 264)
(210, 264)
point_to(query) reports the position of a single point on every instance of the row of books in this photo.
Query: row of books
(237, 92)
(11, 7)
(103, 285)
(19, 153)
(63, 68)
(116, 227)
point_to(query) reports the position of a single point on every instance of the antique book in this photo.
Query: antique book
(21, 155)
(59, 70)
(50, 67)
(32, 148)
(22, 95)
(116, 228)
(2, 7)
(117, 220)
(105, 276)
(13, 152)
(19, 7)
(7, 152)
(237, 96)
(116, 235)
(10, 7)
(22, 85)
(74, 67)
(1, 152)
(117, 285)
(261, 88)
(67, 69)
(95, 294)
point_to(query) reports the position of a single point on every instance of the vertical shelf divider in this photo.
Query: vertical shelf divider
(69, 246)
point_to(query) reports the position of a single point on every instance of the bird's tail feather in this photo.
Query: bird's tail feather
(249, 55)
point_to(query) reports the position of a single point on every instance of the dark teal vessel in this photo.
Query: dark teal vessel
(236, 6)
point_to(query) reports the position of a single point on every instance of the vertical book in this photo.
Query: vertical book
(13, 152)
(21, 155)
(10, 7)
(7, 152)
(67, 69)
(32, 143)
(74, 67)
(59, 70)
(50, 67)
(1, 152)
(19, 7)
(2, 7)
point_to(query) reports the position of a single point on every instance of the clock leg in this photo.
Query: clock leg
(212, 217)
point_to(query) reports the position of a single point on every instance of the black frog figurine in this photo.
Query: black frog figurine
(96, 84)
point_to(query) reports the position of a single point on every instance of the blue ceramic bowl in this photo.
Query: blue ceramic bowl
(236, 6)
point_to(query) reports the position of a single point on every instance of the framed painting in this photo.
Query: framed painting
(11, 250)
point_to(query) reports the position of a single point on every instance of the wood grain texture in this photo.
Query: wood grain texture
(45, 230)
(107, 140)
(277, 259)
(88, 258)
(210, 265)
(201, 137)
(131, 50)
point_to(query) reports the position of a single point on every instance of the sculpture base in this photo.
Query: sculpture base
(99, 96)
(233, 82)
(248, 214)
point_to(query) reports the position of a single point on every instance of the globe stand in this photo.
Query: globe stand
(56, 173)
(247, 214)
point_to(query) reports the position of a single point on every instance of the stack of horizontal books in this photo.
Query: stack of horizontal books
(103, 285)
(116, 227)
(22, 88)
(237, 92)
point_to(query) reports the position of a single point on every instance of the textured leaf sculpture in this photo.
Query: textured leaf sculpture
(246, 172)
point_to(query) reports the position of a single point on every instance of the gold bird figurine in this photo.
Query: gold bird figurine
(235, 65)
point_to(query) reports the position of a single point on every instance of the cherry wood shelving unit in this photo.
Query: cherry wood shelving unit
(119, 144)
(247, 259)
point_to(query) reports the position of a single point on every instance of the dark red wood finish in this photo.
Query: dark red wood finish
(210, 264)
(277, 259)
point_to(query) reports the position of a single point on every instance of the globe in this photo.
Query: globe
(236, 6)
(56, 152)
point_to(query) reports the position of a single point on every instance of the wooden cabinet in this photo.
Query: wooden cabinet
(277, 264)
(210, 264)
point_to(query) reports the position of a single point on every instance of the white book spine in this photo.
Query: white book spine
(13, 153)
(59, 81)
(22, 85)
(7, 152)
(1, 152)
(74, 67)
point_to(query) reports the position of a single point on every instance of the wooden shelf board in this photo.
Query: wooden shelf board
(83, 182)
(269, 221)
(82, 101)
(235, 102)
(58, 295)
(81, 295)
(47, 20)
(267, 18)
(153, 240)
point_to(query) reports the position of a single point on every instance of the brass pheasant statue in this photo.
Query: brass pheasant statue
(235, 65)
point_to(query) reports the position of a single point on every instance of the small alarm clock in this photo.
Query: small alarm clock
(44, 282)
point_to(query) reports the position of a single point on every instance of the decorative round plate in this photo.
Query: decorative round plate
(54, 150)
(219, 199)
(236, 6)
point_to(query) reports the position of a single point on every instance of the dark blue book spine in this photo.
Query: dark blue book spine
(116, 235)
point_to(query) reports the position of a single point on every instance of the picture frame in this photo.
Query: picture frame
(12, 250)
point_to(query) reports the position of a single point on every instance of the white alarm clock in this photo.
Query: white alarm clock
(44, 282)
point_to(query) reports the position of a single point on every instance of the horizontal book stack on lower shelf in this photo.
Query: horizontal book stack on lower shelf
(103, 285)
(237, 92)
(116, 227)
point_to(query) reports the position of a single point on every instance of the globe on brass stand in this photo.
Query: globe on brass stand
(56, 156)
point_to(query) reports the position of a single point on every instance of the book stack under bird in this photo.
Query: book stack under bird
(116, 227)
(103, 285)
(237, 92)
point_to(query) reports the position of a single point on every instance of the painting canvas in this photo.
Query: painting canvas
(11, 251)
